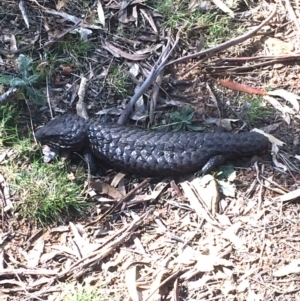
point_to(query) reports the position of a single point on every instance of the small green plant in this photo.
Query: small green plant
(75, 291)
(82, 294)
(181, 121)
(257, 110)
(24, 83)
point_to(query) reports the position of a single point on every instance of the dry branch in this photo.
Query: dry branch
(99, 255)
(224, 45)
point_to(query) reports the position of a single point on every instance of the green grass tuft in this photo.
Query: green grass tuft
(47, 194)
(214, 26)
(118, 82)
(70, 50)
(43, 192)
(8, 128)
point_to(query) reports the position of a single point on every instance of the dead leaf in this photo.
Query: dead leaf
(193, 192)
(135, 15)
(61, 3)
(292, 268)
(134, 69)
(227, 187)
(66, 70)
(117, 179)
(275, 151)
(64, 249)
(222, 6)
(288, 196)
(242, 88)
(117, 52)
(227, 123)
(286, 111)
(288, 96)
(223, 219)
(146, 13)
(100, 12)
(63, 15)
(242, 287)
(130, 277)
(48, 256)
(34, 255)
(207, 263)
(271, 138)
(277, 47)
(111, 111)
(24, 14)
(123, 14)
(13, 43)
(105, 188)
(79, 240)
(271, 128)
(230, 234)
(228, 286)
(154, 290)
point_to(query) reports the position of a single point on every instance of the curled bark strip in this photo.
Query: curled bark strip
(242, 88)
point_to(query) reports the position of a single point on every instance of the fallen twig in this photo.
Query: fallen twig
(161, 64)
(12, 272)
(292, 14)
(155, 94)
(156, 70)
(276, 60)
(224, 45)
(4, 98)
(122, 200)
(95, 257)
(60, 36)
(279, 58)
(80, 106)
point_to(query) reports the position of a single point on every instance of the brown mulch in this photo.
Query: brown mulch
(183, 239)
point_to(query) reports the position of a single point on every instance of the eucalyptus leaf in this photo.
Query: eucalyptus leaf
(227, 188)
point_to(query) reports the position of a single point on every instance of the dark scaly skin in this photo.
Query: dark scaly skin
(149, 153)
